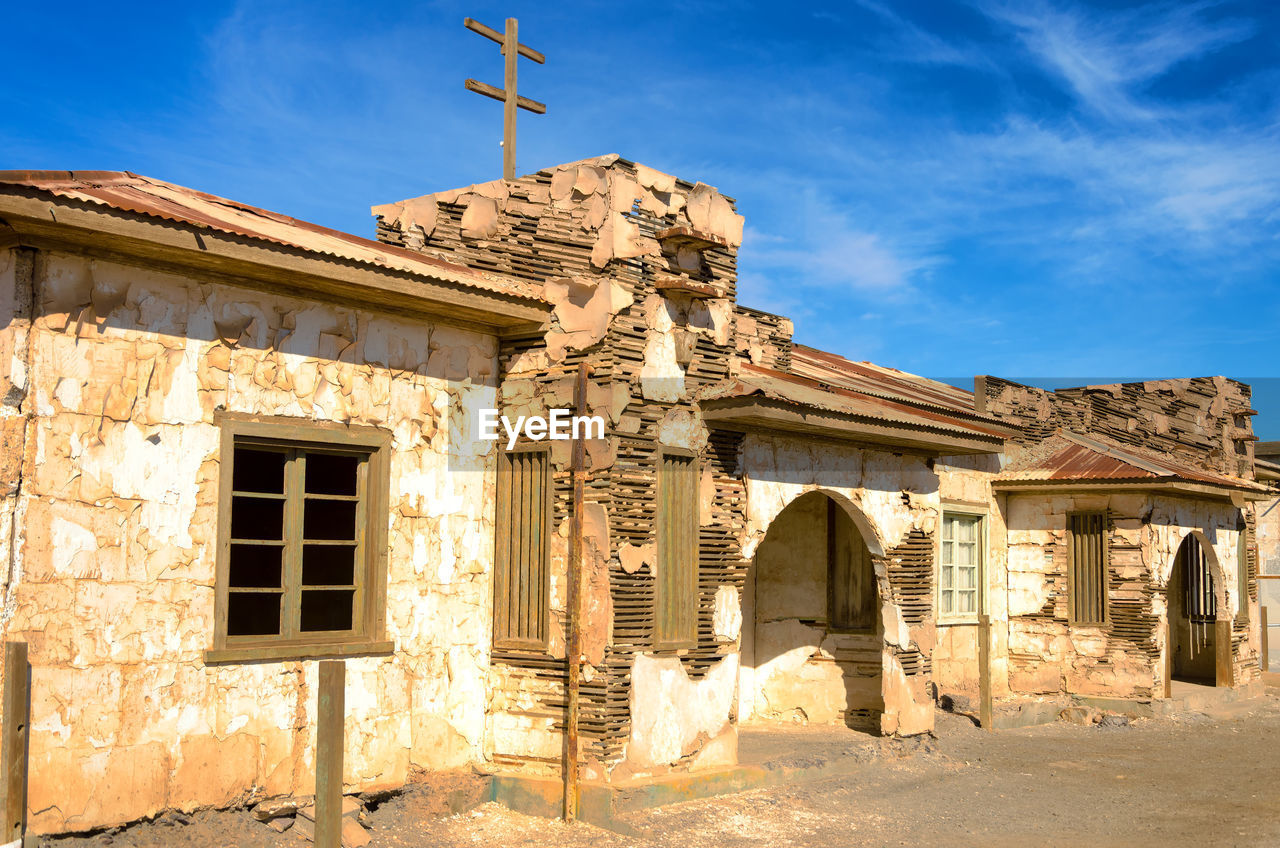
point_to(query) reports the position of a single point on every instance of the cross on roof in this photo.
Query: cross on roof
(511, 49)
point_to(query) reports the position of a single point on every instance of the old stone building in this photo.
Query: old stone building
(236, 442)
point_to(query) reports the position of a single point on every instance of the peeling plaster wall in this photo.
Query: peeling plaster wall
(893, 500)
(113, 583)
(1126, 657)
(1267, 566)
(655, 320)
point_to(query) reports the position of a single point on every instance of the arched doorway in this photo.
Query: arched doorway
(1193, 614)
(812, 640)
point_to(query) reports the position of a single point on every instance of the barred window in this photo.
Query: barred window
(1087, 581)
(677, 584)
(521, 594)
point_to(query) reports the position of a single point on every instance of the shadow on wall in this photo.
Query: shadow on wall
(813, 646)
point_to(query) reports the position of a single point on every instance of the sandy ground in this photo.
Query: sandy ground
(1200, 779)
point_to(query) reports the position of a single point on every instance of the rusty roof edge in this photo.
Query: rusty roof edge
(1116, 453)
(897, 423)
(433, 269)
(999, 428)
(923, 404)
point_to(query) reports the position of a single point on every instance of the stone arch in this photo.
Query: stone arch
(797, 664)
(1191, 643)
(871, 535)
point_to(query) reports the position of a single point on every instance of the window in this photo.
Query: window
(677, 589)
(301, 525)
(851, 578)
(521, 589)
(1087, 580)
(1242, 571)
(960, 561)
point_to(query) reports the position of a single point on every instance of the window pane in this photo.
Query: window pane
(329, 519)
(256, 566)
(948, 553)
(967, 526)
(946, 576)
(968, 578)
(946, 602)
(257, 518)
(948, 527)
(327, 609)
(328, 565)
(968, 601)
(966, 553)
(332, 474)
(253, 613)
(258, 470)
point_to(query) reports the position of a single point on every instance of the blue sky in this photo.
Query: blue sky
(1030, 189)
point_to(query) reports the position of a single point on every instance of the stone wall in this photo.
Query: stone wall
(1205, 421)
(1267, 536)
(111, 579)
(1124, 658)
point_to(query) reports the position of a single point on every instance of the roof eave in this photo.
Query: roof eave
(1185, 487)
(39, 220)
(756, 414)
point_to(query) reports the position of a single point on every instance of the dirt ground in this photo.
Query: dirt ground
(1199, 779)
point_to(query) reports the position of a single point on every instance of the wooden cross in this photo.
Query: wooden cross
(511, 46)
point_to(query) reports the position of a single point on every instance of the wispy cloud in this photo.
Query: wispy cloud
(1107, 59)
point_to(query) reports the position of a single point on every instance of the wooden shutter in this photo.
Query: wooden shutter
(521, 588)
(851, 577)
(1087, 581)
(677, 590)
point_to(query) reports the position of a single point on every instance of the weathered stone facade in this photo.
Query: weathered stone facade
(124, 352)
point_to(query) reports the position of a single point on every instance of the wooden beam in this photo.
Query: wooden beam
(509, 44)
(501, 96)
(573, 652)
(1266, 648)
(1225, 671)
(984, 671)
(493, 35)
(17, 717)
(330, 712)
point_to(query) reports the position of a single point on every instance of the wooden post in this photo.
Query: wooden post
(1223, 660)
(510, 44)
(17, 716)
(573, 651)
(330, 733)
(1266, 651)
(984, 671)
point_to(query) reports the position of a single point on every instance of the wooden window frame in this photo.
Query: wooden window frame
(1105, 587)
(982, 516)
(677, 641)
(502, 546)
(371, 584)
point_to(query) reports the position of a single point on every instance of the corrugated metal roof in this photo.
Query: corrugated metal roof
(804, 392)
(1070, 457)
(878, 380)
(155, 198)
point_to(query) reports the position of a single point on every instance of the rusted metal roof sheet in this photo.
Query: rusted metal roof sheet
(872, 379)
(1070, 457)
(140, 195)
(807, 393)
